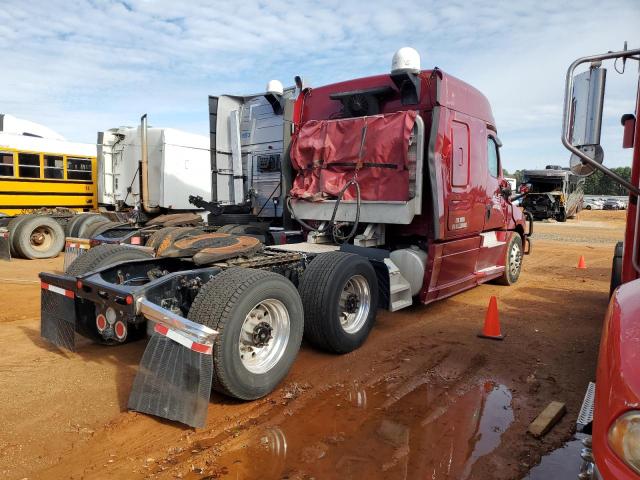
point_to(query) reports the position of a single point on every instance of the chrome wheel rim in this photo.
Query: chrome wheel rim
(515, 259)
(264, 336)
(355, 304)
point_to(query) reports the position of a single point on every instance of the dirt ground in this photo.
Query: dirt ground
(423, 398)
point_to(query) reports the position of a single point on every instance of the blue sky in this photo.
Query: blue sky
(82, 66)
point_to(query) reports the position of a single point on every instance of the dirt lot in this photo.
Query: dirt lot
(425, 397)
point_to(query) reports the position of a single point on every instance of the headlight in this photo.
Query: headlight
(624, 438)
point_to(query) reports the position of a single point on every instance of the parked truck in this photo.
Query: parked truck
(554, 193)
(611, 407)
(397, 179)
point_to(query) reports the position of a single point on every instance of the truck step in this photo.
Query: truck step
(586, 411)
(400, 304)
(399, 288)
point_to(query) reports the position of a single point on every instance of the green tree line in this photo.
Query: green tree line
(596, 184)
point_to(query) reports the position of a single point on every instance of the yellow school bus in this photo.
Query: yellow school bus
(42, 172)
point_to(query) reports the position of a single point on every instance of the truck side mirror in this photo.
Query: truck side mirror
(629, 123)
(587, 103)
(585, 121)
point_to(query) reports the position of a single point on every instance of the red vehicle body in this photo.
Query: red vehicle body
(617, 390)
(467, 218)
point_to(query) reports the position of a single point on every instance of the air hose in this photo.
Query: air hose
(335, 232)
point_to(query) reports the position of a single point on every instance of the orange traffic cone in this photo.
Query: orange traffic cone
(492, 322)
(582, 265)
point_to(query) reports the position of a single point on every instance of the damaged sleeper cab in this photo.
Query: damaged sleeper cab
(398, 181)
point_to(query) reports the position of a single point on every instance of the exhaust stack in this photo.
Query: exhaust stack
(144, 167)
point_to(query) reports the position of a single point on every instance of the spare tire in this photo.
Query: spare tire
(39, 236)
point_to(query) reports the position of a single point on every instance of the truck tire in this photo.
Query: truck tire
(242, 300)
(616, 269)
(513, 261)
(104, 255)
(340, 297)
(85, 226)
(92, 229)
(71, 230)
(562, 216)
(12, 226)
(156, 237)
(38, 236)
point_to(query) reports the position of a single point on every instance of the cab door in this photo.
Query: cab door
(495, 203)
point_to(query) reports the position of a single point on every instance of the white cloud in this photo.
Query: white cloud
(86, 65)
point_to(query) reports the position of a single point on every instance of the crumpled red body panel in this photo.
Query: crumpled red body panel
(328, 153)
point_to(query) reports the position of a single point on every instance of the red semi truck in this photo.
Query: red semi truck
(611, 409)
(397, 179)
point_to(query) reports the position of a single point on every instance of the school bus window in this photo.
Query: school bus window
(29, 165)
(53, 167)
(6, 164)
(78, 169)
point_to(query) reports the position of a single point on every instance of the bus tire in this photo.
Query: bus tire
(247, 306)
(12, 226)
(513, 261)
(339, 293)
(39, 236)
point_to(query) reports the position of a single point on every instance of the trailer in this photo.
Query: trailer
(398, 183)
(554, 193)
(609, 418)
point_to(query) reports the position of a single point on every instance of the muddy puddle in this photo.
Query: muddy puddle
(561, 464)
(396, 431)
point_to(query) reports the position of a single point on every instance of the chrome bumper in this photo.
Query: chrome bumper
(188, 330)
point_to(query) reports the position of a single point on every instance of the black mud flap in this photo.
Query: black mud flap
(5, 250)
(173, 382)
(58, 316)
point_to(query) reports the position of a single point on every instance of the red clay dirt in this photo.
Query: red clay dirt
(423, 398)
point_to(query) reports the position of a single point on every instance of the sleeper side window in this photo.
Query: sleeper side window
(492, 157)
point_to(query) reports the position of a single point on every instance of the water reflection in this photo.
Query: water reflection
(431, 431)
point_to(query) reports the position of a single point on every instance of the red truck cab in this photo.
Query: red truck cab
(452, 202)
(613, 413)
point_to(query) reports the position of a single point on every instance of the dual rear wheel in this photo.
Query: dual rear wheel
(261, 318)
